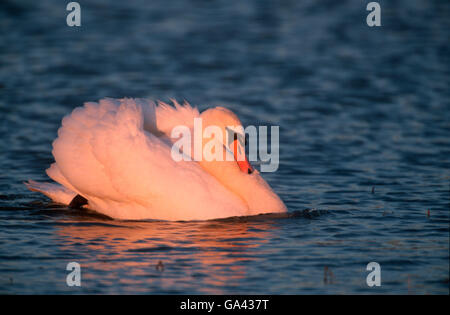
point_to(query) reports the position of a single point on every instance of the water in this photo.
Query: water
(359, 109)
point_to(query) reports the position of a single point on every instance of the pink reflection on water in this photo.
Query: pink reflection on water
(118, 253)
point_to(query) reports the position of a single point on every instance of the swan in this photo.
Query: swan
(115, 157)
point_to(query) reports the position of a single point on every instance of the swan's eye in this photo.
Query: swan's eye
(233, 135)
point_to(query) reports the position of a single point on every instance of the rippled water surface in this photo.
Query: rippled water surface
(364, 120)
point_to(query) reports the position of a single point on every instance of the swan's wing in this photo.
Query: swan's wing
(54, 173)
(104, 154)
(167, 116)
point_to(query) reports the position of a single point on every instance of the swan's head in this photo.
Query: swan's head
(234, 170)
(232, 135)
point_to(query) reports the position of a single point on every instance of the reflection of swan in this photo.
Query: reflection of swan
(211, 254)
(117, 155)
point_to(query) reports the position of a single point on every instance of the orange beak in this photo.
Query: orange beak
(241, 158)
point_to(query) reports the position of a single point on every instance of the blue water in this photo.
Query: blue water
(364, 120)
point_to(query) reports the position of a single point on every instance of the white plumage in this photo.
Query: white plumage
(117, 155)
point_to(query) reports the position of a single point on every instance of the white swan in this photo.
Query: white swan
(117, 155)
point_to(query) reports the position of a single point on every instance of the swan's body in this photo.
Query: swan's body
(117, 155)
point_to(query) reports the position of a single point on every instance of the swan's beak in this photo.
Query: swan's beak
(240, 157)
